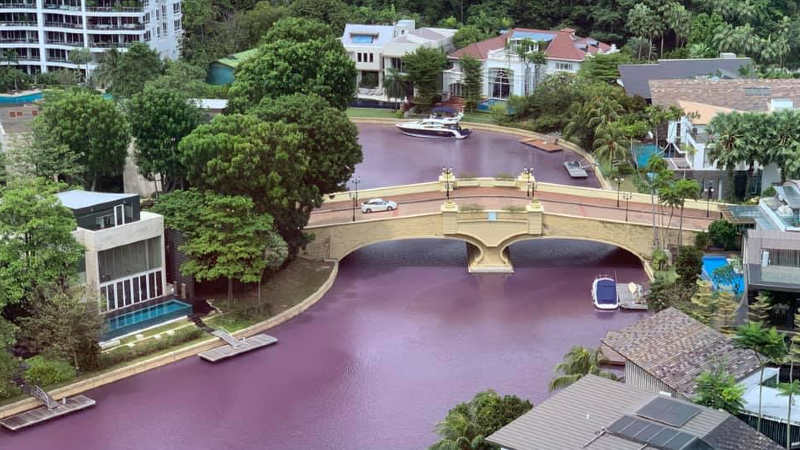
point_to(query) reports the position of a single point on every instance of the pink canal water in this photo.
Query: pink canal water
(392, 158)
(404, 334)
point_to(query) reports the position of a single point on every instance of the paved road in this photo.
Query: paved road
(392, 158)
(497, 198)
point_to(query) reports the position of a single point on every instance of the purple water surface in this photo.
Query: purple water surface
(392, 158)
(403, 335)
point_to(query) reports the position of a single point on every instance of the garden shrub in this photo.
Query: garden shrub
(471, 207)
(689, 265)
(499, 112)
(46, 372)
(723, 234)
(769, 192)
(149, 346)
(701, 240)
(8, 370)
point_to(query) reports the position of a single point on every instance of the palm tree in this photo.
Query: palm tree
(395, 84)
(108, 70)
(686, 189)
(699, 50)
(668, 196)
(10, 58)
(789, 389)
(577, 363)
(459, 431)
(656, 166)
(610, 144)
(640, 23)
(81, 56)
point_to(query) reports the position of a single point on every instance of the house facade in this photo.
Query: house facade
(505, 74)
(44, 32)
(702, 99)
(376, 49)
(124, 261)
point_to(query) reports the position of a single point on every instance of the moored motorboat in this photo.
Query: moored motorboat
(434, 128)
(604, 293)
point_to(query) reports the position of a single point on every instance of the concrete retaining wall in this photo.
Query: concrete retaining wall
(167, 358)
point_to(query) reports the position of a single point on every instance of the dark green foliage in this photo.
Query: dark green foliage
(469, 423)
(189, 79)
(424, 67)
(160, 119)
(331, 12)
(47, 372)
(11, 77)
(723, 234)
(148, 347)
(472, 68)
(603, 67)
(128, 73)
(701, 240)
(9, 366)
(281, 67)
(718, 389)
(469, 34)
(300, 29)
(689, 265)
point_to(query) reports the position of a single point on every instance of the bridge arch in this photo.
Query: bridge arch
(473, 243)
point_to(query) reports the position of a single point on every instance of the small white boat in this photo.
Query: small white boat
(435, 128)
(604, 293)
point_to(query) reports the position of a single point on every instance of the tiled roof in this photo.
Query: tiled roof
(563, 44)
(704, 112)
(675, 349)
(635, 76)
(741, 94)
(575, 419)
(381, 33)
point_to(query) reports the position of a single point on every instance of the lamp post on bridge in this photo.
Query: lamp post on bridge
(709, 192)
(448, 172)
(354, 195)
(627, 196)
(530, 192)
(618, 180)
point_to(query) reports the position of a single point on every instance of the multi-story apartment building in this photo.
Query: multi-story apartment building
(44, 32)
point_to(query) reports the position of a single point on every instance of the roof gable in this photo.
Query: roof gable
(563, 44)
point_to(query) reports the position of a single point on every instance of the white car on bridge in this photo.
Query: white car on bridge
(378, 204)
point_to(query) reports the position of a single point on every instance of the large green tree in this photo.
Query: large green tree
(128, 72)
(468, 424)
(330, 139)
(39, 155)
(90, 126)
(767, 345)
(226, 237)
(424, 67)
(160, 119)
(331, 12)
(37, 249)
(244, 155)
(282, 66)
(472, 68)
(718, 389)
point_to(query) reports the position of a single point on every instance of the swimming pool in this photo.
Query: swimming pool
(644, 152)
(145, 318)
(712, 263)
(17, 99)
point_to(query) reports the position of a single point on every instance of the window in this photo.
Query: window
(164, 28)
(125, 260)
(500, 82)
(457, 90)
(359, 57)
(757, 92)
(177, 24)
(781, 257)
(176, 8)
(563, 66)
(362, 38)
(147, 36)
(371, 56)
(146, 19)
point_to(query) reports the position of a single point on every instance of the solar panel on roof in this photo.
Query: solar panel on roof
(660, 440)
(655, 435)
(679, 441)
(668, 411)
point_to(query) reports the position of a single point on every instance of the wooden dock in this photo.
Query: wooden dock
(43, 413)
(548, 146)
(631, 300)
(245, 345)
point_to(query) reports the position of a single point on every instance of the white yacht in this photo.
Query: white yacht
(604, 293)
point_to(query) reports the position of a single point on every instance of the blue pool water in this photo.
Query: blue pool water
(712, 263)
(644, 152)
(145, 318)
(488, 103)
(28, 98)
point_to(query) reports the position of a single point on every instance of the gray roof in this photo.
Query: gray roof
(758, 95)
(635, 77)
(676, 349)
(575, 419)
(86, 199)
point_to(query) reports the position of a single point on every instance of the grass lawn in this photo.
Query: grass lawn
(377, 113)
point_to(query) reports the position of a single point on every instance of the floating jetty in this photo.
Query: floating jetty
(541, 144)
(235, 346)
(52, 409)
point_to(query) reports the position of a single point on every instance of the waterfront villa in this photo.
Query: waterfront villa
(43, 33)
(702, 99)
(124, 260)
(377, 48)
(504, 74)
(635, 78)
(596, 413)
(669, 350)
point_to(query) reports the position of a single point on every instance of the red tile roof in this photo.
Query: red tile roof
(563, 46)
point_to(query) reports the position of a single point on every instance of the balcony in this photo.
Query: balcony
(20, 5)
(66, 43)
(110, 44)
(53, 6)
(16, 23)
(57, 59)
(77, 26)
(19, 41)
(699, 137)
(111, 6)
(114, 27)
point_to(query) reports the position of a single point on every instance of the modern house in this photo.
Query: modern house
(669, 350)
(702, 99)
(505, 74)
(124, 261)
(600, 414)
(220, 72)
(44, 32)
(377, 48)
(635, 78)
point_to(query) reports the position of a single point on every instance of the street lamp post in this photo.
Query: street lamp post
(447, 172)
(709, 191)
(619, 181)
(627, 196)
(354, 195)
(531, 190)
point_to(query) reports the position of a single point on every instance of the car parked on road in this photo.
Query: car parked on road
(378, 204)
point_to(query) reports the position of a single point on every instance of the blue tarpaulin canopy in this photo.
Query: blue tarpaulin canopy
(444, 110)
(606, 292)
